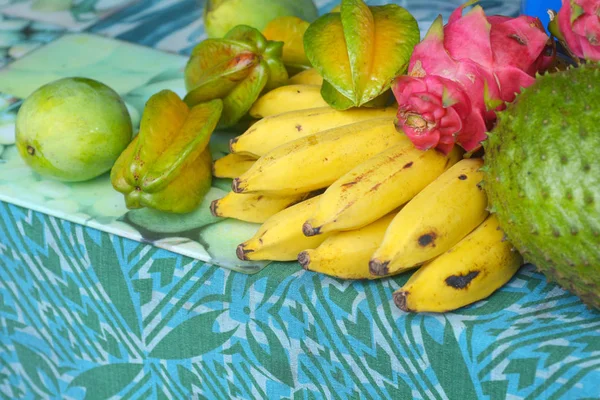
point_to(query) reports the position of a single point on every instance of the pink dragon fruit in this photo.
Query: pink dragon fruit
(579, 27)
(465, 71)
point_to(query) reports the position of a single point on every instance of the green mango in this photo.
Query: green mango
(220, 16)
(167, 166)
(360, 50)
(236, 69)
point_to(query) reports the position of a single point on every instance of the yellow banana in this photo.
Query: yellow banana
(251, 207)
(287, 98)
(434, 220)
(376, 187)
(307, 77)
(271, 132)
(470, 271)
(316, 161)
(346, 254)
(232, 165)
(280, 237)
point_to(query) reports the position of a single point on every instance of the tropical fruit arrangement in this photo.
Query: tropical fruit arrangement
(366, 152)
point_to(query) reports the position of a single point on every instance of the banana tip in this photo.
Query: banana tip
(400, 300)
(232, 143)
(241, 252)
(214, 208)
(378, 267)
(308, 229)
(236, 186)
(304, 259)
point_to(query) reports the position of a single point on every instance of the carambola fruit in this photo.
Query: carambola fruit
(236, 69)
(289, 30)
(168, 165)
(360, 50)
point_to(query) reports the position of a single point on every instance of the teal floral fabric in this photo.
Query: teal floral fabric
(88, 315)
(84, 314)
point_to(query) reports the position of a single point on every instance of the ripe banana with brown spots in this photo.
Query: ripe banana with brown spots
(271, 132)
(436, 219)
(280, 237)
(470, 271)
(316, 161)
(377, 186)
(232, 165)
(346, 255)
(252, 207)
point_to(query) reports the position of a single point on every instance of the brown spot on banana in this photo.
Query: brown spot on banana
(408, 165)
(375, 187)
(298, 127)
(356, 179)
(427, 239)
(462, 177)
(461, 281)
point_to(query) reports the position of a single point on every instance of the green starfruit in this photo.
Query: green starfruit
(167, 166)
(236, 69)
(360, 50)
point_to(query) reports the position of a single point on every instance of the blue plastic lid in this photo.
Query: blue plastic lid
(539, 8)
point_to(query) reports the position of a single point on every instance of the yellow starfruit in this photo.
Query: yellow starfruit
(289, 30)
(168, 165)
(360, 50)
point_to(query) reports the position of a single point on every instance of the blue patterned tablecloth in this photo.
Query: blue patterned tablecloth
(85, 314)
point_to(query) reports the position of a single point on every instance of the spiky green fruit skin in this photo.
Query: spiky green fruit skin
(542, 177)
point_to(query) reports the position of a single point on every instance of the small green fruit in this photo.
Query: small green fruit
(220, 16)
(543, 177)
(72, 129)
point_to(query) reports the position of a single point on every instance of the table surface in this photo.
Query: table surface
(86, 313)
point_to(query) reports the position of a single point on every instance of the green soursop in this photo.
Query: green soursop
(542, 176)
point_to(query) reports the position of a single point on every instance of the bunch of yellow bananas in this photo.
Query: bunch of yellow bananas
(347, 195)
